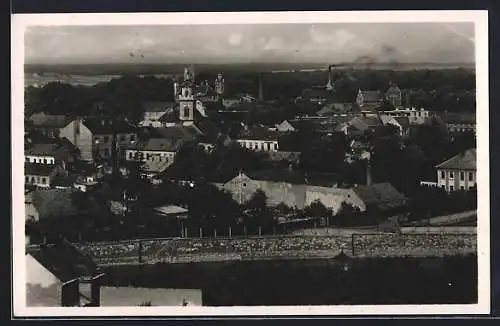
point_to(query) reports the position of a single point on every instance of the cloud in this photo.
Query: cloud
(235, 39)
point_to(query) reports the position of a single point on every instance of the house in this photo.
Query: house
(404, 123)
(59, 152)
(47, 125)
(360, 126)
(335, 109)
(48, 205)
(285, 126)
(156, 153)
(415, 117)
(369, 98)
(278, 185)
(60, 275)
(458, 172)
(379, 197)
(153, 111)
(40, 175)
(258, 138)
(458, 122)
(388, 120)
(94, 136)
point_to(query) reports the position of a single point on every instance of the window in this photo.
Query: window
(452, 174)
(186, 112)
(26, 159)
(442, 175)
(27, 179)
(106, 152)
(462, 187)
(106, 139)
(130, 155)
(451, 188)
(275, 146)
(470, 176)
(132, 137)
(32, 179)
(44, 180)
(462, 176)
(44, 161)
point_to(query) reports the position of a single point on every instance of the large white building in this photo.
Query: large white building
(458, 172)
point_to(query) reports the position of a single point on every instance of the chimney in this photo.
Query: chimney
(261, 87)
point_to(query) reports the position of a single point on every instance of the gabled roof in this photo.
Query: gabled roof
(463, 161)
(65, 261)
(381, 195)
(209, 130)
(258, 133)
(101, 126)
(155, 166)
(157, 145)
(158, 106)
(49, 121)
(386, 119)
(277, 175)
(171, 209)
(60, 149)
(38, 169)
(171, 116)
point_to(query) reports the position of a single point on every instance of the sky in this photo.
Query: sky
(258, 43)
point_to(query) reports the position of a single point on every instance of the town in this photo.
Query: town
(209, 166)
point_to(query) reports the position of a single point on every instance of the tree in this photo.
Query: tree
(347, 208)
(317, 210)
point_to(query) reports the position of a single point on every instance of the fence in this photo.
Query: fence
(179, 250)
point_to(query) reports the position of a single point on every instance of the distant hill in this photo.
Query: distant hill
(155, 69)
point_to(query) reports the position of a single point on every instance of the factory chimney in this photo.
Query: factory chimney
(368, 171)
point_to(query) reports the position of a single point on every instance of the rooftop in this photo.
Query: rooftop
(277, 175)
(371, 95)
(258, 133)
(158, 106)
(463, 161)
(381, 195)
(38, 169)
(108, 126)
(49, 121)
(157, 144)
(65, 261)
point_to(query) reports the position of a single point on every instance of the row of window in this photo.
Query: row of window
(261, 146)
(121, 138)
(451, 175)
(150, 157)
(38, 180)
(39, 160)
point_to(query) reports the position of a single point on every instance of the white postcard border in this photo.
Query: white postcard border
(20, 22)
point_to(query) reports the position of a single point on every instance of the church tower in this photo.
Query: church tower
(219, 86)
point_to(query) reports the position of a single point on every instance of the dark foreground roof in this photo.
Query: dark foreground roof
(65, 261)
(275, 175)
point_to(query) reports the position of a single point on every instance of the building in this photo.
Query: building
(257, 138)
(458, 172)
(379, 197)
(57, 152)
(369, 99)
(60, 275)
(285, 126)
(153, 111)
(47, 125)
(458, 122)
(40, 174)
(415, 117)
(156, 154)
(94, 137)
(332, 109)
